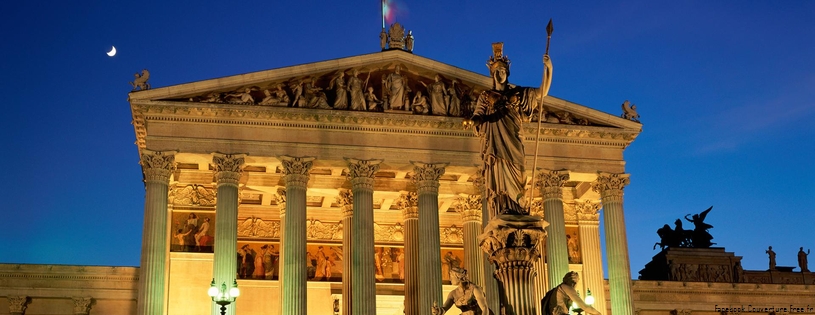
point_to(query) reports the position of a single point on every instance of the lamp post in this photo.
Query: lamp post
(222, 296)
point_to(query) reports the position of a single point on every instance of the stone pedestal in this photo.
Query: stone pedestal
(557, 255)
(157, 168)
(410, 216)
(228, 169)
(363, 281)
(511, 241)
(610, 187)
(296, 170)
(692, 265)
(426, 177)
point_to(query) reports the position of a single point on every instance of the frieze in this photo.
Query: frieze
(258, 228)
(192, 195)
(352, 121)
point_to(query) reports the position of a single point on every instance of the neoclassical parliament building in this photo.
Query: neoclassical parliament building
(353, 184)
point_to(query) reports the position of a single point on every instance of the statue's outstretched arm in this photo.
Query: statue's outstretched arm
(579, 301)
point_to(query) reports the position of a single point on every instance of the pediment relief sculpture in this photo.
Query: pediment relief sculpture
(192, 195)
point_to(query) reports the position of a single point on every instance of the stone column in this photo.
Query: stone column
(426, 177)
(82, 305)
(363, 281)
(469, 207)
(281, 205)
(296, 170)
(17, 304)
(346, 202)
(490, 283)
(228, 169)
(557, 255)
(589, 235)
(410, 221)
(610, 187)
(157, 168)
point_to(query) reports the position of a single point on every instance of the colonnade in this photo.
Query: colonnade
(423, 281)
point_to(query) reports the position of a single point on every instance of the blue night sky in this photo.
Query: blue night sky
(725, 90)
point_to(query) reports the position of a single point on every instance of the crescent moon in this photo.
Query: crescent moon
(112, 51)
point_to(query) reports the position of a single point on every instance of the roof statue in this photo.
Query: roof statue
(679, 237)
(140, 83)
(630, 112)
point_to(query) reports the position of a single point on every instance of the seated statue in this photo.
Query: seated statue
(468, 297)
(559, 300)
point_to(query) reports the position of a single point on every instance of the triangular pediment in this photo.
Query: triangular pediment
(315, 86)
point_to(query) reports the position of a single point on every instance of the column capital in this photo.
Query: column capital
(610, 185)
(426, 175)
(409, 203)
(512, 240)
(551, 183)
(280, 198)
(227, 167)
(82, 305)
(469, 206)
(17, 304)
(346, 201)
(537, 208)
(361, 172)
(587, 210)
(157, 165)
(296, 170)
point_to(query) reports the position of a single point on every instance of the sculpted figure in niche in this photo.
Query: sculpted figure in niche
(373, 102)
(438, 97)
(420, 104)
(355, 86)
(244, 97)
(802, 259)
(315, 97)
(395, 85)
(453, 102)
(276, 97)
(559, 300)
(498, 120)
(297, 90)
(338, 84)
(468, 297)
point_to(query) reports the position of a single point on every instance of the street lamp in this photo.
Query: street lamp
(222, 296)
(589, 298)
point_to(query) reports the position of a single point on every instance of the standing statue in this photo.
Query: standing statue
(498, 120)
(802, 259)
(558, 301)
(438, 97)
(297, 90)
(355, 86)
(341, 95)
(383, 39)
(395, 85)
(700, 238)
(453, 102)
(140, 82)
(468, 297)
(771, 255)
(409, 41)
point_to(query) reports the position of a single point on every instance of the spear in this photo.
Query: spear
(546, 82)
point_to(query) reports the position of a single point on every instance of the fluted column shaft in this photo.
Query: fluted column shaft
(470, 210)
(346, 202)
(281, 204)
(557, 254)
(427, 185)
(610, 187)
(490, 283)
(157, 168)
(363, 281)
(294, 276)
(228, 169)
(541, 279)
(589, 234)
(410, 216)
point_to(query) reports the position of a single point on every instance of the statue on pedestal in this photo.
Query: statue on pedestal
(558, 301)
(468, 297)
(771, 255)
(802, 259)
